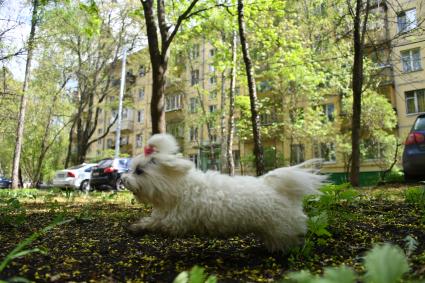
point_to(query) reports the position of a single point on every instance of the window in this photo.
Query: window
(99, 131)
(326, 151)
(328, 111)
(211, 68)
(213, 108)
(124, 140)
(212, 95)
(297, 153)
(415, 101)
(140, 116)
(213, 80)
(406, 20)
(125, 114)
(411, 60)
(173, 102)
(194, 77)
(212, 52)
(139, 140)
(267, 119)
(194, 51)
(371, 149)
(193, 134)
(142, 71)
(99, 141)
(142, 93)
(109, 143)
(193, 104)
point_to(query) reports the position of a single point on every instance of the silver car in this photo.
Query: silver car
(76, 177)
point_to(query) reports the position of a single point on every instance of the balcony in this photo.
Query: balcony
(126, 125)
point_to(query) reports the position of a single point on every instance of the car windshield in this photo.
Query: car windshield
(105, 163)
(77, 166)
(122, 162)
(420, 124)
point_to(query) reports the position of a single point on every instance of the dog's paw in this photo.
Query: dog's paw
(137, 229)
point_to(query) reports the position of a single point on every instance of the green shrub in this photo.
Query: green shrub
(385, 263)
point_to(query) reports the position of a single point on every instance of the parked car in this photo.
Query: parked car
(5, 183)
(414, 151)
(107, 174)
(76, 177)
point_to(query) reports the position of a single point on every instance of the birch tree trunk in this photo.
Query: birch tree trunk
(230, 132)
(255, 119)
(23, 104)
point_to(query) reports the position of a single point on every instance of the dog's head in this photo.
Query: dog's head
(156, 175)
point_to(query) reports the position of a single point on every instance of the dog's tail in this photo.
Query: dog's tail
(297, 181)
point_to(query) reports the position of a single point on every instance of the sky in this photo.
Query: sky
(17, 14)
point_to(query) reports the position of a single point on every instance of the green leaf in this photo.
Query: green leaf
(302, 276)
(183, 277)
(341, 274)
(197, 275)
(385, 264)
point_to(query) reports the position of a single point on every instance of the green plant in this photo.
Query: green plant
(383, 264)
(12, 212)
(196, 275)
(415, 196)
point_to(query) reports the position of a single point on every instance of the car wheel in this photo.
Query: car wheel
(85, 186)
(119, 186)
(409, 178)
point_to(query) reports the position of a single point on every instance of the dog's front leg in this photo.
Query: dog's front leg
(143, 226)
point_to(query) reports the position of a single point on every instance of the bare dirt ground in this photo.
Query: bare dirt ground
(95, 245)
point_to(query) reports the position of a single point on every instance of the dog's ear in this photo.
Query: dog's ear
(176, 164)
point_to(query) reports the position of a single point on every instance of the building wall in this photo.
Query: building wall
(181, 119)
(401, 42)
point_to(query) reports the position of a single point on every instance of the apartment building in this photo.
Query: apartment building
(193, 100)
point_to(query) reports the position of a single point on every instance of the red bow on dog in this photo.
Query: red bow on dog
(149, 150)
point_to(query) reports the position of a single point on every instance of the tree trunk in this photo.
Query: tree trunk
(255, 119)
(357, 86)
(223, 151)
(23, 105)
(159, 55)
(230, 132)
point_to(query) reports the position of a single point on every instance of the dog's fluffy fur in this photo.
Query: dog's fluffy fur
(186, 200)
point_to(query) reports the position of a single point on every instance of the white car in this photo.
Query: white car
(76, 177)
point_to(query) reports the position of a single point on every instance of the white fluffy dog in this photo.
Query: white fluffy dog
(186, 200)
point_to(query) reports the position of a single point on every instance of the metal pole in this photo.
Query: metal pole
(122, 85)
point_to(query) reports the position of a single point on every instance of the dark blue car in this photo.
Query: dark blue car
(414, 151)
(5, 183)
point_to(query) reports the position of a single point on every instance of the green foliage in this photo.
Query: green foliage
(415, 196)
(396, 175)
(383, 264)
(12, 212)
(196, 275)
(317, 225)
(332, 198)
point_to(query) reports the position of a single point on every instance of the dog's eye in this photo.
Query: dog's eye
(138, 171)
